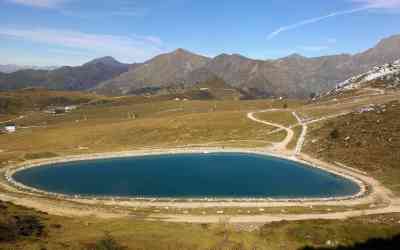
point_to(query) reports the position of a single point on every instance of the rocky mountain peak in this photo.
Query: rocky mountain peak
(107, 60)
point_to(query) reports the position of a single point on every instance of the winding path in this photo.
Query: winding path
(302, 138)
(280, 146)
(90, 207)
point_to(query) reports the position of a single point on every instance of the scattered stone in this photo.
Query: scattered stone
(329, 243)
(261, 209)
(220, 212)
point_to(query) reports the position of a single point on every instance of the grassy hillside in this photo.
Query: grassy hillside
(22, 229)
(369, 141)
(12, 102)
(127, 123)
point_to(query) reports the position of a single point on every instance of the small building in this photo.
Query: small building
(58, 110)
(10, 128)
(70, 108)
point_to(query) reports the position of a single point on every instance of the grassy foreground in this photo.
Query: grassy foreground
(116, 124)
(29, 230)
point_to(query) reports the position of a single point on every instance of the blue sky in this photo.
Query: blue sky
(71, 32)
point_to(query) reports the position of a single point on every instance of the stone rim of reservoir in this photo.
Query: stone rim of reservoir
(190, 176)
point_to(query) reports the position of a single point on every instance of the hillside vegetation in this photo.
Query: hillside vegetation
(368, 140)
(13, 102)
(23, 229)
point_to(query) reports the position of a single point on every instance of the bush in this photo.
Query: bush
(40, 155)
(8, 232)
(20, 226)
(334, 134)
(371, 244)
(106, 243)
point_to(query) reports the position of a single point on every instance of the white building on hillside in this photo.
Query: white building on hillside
(10, 128)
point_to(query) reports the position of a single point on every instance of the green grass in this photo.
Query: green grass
(284, 118)
(162, 124)
(104, 126)
(367, 141)
(40, 155)
(77, 233)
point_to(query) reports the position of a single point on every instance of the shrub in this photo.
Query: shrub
(106, 243)
(40, 155)
(18, 227)
(334, 134)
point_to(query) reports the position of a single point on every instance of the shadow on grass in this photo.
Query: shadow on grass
(372, 244)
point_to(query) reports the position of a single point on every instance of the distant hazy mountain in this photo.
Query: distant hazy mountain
(11, 68)
(293, 76)
(66, 78)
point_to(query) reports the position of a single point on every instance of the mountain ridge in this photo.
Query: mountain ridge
(291, 76)
(81, 77)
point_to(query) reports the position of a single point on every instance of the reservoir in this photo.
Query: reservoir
(214, 175)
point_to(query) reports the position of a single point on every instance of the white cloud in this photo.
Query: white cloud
(39, 3)
(313, 20)
(365, 5)
(66, 7)
(132, 47)
(381, 4)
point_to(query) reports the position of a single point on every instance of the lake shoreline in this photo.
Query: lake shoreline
(372, 193)
(36, 163)
(356, 190)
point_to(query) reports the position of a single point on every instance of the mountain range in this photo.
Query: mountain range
(82, 77)
(11, 68)
(292, 76)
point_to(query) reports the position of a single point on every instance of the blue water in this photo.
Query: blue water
(220, 175)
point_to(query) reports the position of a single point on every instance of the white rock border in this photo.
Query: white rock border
(10, 171)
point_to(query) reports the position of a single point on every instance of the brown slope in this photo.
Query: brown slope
(161, 71)
(293, 76)
(299, 76)
(81, 77)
